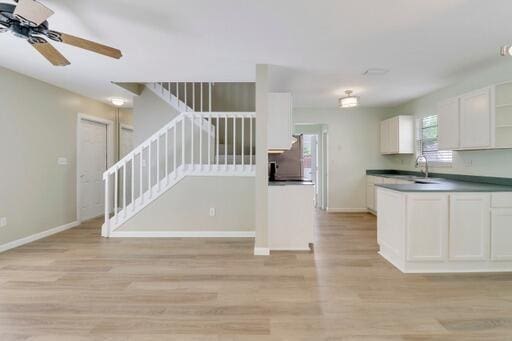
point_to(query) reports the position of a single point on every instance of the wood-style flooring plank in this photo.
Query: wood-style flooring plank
(78, 286)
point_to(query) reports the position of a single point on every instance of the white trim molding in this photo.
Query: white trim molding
(182, 234)
(261, 251)
(37, 236)
(347, 210)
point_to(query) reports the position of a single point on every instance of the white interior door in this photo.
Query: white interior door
(92, 164)
(126, 143)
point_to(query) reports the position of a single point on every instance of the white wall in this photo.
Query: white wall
(187, 205)
(37, 125)
(150, 113)
(488, 163)
(353, 147)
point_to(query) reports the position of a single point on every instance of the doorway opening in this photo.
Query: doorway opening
(314, 155)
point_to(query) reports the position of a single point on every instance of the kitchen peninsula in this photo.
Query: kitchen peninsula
(446, 225)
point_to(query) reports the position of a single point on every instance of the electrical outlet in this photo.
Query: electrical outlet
(468, 163)
(212, 211)
(3, 221)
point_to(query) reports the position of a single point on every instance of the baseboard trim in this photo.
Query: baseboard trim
(297, 249)
(347, 210)
(182, 234)
(261, 251)
(37, 236)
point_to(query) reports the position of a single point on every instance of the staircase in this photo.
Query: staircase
(184, 97)
(194, 143)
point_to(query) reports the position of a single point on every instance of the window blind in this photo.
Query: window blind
(427, 141)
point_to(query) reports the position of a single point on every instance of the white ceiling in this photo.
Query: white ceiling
(323, 45)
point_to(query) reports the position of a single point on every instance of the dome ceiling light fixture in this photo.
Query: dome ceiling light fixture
(348, 101)
(506, 51)
(118, 102)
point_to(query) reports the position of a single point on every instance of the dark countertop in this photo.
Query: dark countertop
(448, 186)
(453, 184)
(290, 183)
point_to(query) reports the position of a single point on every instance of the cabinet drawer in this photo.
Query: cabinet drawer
(501, 200)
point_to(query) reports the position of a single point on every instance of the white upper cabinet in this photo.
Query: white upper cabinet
(397, 135)
(448, 124)
(476, 120)
(280, 120)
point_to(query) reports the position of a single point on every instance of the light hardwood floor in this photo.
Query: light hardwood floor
(78, 286)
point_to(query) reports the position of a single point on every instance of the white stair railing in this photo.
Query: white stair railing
(183, 147)
(184, 96)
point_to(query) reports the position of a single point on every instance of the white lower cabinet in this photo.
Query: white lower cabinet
(469, 226)
(445, 232)
(370, 197)
(427, 227)
(501, 234)
(371, 192)
(390, 222)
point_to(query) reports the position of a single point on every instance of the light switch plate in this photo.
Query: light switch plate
(62, 161)
(3, 221)
(212, 211)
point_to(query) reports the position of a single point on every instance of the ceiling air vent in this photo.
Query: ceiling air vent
(375, 72)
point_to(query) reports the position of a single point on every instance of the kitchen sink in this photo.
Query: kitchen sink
(417, 179)
(425, 181)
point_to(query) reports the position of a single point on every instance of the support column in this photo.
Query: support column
(261, 246)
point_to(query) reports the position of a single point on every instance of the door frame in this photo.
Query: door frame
(110, 151)
(323, 142)
(325, 169)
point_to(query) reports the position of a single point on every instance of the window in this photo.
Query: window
(427, 144)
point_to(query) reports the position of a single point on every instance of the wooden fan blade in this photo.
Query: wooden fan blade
(50, 53)
(91, 46)
(32, 11)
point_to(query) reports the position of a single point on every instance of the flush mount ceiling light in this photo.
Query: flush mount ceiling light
(118, 102)
(506, 51)
(349, 101)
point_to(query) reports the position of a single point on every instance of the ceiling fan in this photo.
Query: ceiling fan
(28, 20)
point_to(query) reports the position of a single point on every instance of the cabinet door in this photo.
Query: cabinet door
(390, 222)
(279, 121)
(448, 124)
(427, 227)
(377, 180)
(394, 135)
(476, 119)
(370, 196)
(469, 226)
(501, 232)
(384, 137)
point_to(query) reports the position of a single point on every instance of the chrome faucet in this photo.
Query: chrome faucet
(424, 158)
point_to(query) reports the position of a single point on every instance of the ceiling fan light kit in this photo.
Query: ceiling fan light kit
(28, 20)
